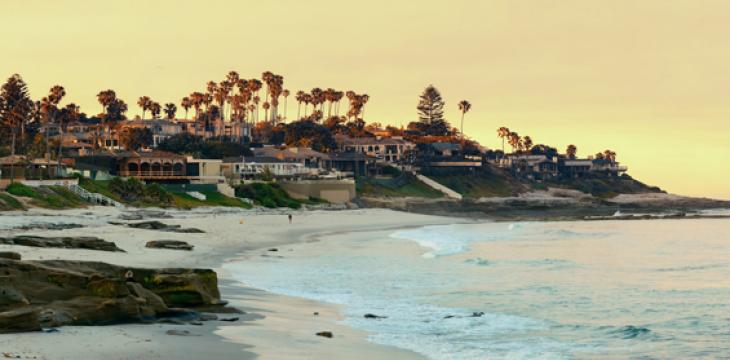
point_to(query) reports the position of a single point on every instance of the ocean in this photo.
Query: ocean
(649, 289)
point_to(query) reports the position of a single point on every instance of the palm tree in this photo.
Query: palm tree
(170, 110)
(503, 132)
(266, 107)
(307, 99)
(571, 151)
(256, 101)
(186, 104)
(364, 98)
(285, 93)
(155, 109)
(527, 142)
(144, 103)
(300, 99)
(106, 97)
(317, 97)
(515, 141)
(464, 107)
(609, 155)
(70, 114)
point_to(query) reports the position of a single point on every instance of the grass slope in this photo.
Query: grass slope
(477, 184)
(404, 185)
(51, 197)
(212, 198)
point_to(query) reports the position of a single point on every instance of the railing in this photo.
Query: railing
(152, 173)
(95, 198)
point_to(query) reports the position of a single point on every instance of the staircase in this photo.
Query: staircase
(436, 186)
(94, 198)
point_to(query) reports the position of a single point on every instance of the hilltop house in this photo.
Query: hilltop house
(160, 129)
(388, 149)
(239, 168)
(306, 156)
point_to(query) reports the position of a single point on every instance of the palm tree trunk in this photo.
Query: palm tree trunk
(299, 107)
(462, 127)
(48, 151)
(285, 101)
(60, 149)
(12, 155)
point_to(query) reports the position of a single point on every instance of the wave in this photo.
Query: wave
(445, 240)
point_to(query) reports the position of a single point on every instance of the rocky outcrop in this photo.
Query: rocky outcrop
(9, 255)
(67, 242)
(169, 244)
(144, 214)
(41, 294)
(156, 225)
(48, 226)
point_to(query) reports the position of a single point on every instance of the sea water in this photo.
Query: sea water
(528, 290)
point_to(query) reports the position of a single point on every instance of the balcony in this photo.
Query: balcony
(154, 174)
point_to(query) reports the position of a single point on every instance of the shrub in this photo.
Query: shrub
(19, 189)
(268, 195)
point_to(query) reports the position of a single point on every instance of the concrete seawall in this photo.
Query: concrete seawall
(333, 191)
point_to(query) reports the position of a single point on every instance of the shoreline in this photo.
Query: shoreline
(266, 312)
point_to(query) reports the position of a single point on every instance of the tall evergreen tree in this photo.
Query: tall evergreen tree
(15, 109)
(431, 113)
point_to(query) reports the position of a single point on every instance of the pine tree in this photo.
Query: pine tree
(431, 113)
(15, 109)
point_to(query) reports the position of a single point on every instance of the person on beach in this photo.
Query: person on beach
(290, 218)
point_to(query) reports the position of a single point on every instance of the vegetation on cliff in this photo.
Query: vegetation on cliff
(50, 197)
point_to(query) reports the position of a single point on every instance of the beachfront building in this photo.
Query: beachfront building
(250, 167)
(20, 167)
(160, 129)
(306, 156)
(538, 167)
(388, 149)
(350, 164)
(204, 171)
(575, 167)
(234, 131)
(150, 165)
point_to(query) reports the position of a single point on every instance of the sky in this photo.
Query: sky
(648, 79)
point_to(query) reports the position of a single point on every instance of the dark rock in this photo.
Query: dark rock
(53, 293)
(66, 242)
(449, 316)
(315, 313)
(169, 244)
(373, 316)
(9, 255)
(49, 226)
(145, 214)
(207, 317)
(477, 314)
(179, 333)
(196, 323)
(156, 225)
(19, 320)
(327, 334)
(273, 249)
(229, 319)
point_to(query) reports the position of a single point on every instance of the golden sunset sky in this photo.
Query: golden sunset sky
(649, 79)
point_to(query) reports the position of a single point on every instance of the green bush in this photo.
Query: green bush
(19, 189)
(134, 191)
(8, 202)
(54, 197)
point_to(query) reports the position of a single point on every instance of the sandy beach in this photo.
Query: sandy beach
(273, 326)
